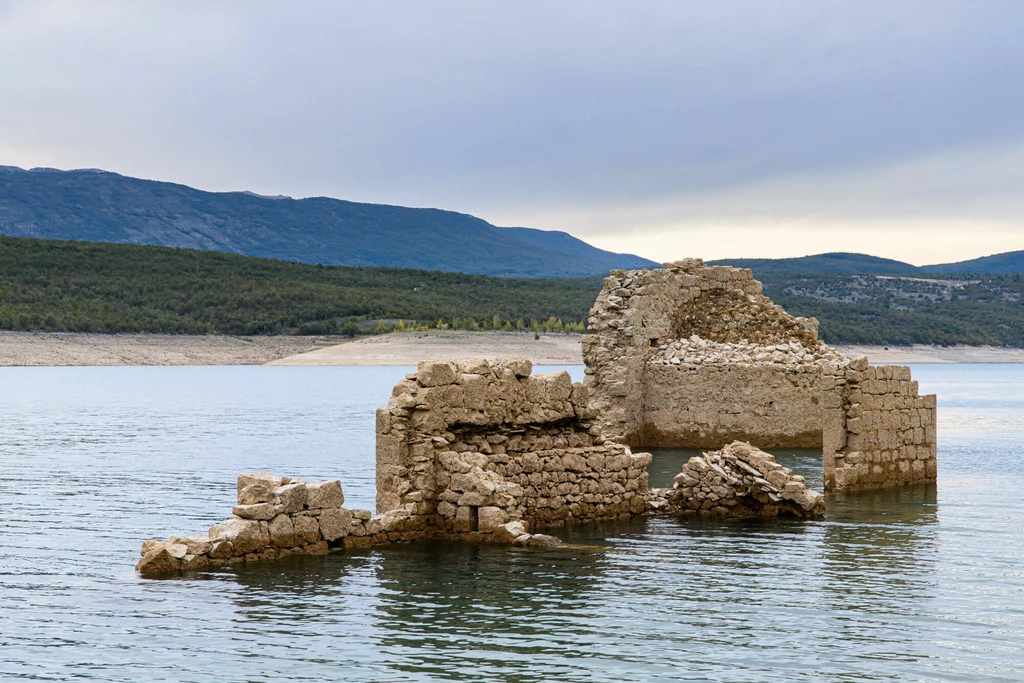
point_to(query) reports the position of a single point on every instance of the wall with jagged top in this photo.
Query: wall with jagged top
(695, 356)
(471, 445)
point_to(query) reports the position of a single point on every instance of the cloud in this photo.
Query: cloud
(617, 121)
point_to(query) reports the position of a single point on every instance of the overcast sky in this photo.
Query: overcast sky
(669, 129)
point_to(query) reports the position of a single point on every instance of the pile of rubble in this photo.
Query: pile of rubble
(739, 480)
(695, 351)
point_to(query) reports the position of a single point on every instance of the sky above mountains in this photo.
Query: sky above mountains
(742, 128)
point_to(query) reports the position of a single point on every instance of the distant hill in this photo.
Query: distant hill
(1010, 262)
(842, 263)
(98, 206)
(839, 263)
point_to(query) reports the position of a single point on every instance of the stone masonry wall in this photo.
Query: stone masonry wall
(692, 356)
(471, 445)
(878, 431)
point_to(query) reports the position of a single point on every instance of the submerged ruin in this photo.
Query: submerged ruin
(485, 451)
(695, 356)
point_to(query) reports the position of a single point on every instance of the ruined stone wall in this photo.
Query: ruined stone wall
(688, 355)
(470, 446)
(692, 356)
(878, 431)
(693, 407)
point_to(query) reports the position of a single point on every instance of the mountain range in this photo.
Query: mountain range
(99, 206)
(842, 263)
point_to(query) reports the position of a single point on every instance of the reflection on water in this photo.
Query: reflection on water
(920, 583)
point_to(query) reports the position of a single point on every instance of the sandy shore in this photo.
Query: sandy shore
(902, 355)
(60, 348)
(408, 348)
(57, 348)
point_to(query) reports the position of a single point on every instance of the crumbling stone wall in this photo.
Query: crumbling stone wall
(878, 431)
(695, 356)
(275, 517)
(470, 446)
(692, 356)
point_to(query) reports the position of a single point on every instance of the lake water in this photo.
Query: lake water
(923, 583)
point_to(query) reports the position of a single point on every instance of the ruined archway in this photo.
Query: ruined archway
(695, 356)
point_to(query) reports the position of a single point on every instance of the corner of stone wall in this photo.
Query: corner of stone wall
(878, 432)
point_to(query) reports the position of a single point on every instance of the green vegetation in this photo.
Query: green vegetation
(82, 286)
(896, 310)
(90, 287)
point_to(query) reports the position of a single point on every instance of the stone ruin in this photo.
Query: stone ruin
(485, 451)
(481, 451)
(738, 480)
(468, 446)
(695, 356)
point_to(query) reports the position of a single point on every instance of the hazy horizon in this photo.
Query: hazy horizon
(744, 129)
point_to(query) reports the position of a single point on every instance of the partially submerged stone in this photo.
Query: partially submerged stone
(741, 480)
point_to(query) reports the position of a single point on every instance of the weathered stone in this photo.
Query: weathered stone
(746, 469)
(544, 541)
(324, 494)
(159, 561)
(509, 532)
(256, 492)
(245, 535)
(307, 529)
(264, 478)
(490, 518)
(194, 562)
(692, 356)
(335, 523)
(282, 532)
(196, 545)
(433, 373)
(264, 511)
(290, 498)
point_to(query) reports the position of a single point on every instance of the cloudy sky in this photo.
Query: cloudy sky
(669, 129)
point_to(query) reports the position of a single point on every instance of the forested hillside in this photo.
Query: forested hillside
(78, 286)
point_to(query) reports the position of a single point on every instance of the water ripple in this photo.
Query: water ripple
(921, 583)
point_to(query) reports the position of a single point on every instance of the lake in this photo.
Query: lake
(920, 583)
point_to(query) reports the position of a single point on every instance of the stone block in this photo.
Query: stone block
(307, 529)
(282, 532)
(264, 511)
(490, 518)
(433, 373)
(245, 535)
(324, 494)
(162, 560)
(259, 491)
(290, 498)
(335, 523)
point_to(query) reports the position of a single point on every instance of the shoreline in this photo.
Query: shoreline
(57, 349)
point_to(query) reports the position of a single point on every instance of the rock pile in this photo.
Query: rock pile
(738, 480)
(274, 517)
(694, 351)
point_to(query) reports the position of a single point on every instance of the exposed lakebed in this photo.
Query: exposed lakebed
(923, 582)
